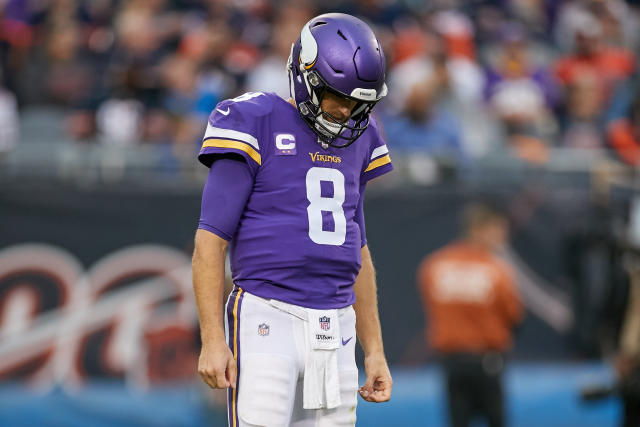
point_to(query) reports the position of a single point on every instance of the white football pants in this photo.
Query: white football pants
(270, 347)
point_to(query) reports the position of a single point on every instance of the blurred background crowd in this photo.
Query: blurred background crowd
(467, 79)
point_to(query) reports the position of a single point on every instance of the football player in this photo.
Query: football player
(285, 190)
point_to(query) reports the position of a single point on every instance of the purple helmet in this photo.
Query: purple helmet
(337, 53)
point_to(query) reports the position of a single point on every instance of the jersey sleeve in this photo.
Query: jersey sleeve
(378, 161)
(225, 196)
(234, 128)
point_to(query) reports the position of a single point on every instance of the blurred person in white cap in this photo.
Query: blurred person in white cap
(9, 123)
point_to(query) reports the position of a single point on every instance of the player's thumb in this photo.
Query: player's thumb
(232, 372)
(367, 388)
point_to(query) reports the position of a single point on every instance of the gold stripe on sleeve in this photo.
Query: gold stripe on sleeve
(378, 162)
(229, 143)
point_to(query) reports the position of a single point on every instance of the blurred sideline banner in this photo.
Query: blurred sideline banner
(95, 284)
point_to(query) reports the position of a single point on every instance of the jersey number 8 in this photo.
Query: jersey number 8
(319, 204)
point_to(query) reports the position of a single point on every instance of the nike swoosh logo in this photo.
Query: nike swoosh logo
(226, 113)
(347, 341)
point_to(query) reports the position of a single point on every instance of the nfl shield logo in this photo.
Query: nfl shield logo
(263, 329)
(325, 323)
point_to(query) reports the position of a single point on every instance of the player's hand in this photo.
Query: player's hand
(623, 365)
(379, 382)
(216, 365)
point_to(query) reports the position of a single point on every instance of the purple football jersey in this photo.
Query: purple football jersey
(297, 240)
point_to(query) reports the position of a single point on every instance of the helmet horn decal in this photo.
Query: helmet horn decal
(309, 50)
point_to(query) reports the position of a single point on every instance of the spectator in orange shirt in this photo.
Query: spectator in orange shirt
(591, 57)
(472, 305)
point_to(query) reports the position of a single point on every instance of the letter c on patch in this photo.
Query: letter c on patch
(282, 145)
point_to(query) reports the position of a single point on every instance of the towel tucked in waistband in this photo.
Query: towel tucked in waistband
(322, 337)
(321, 379)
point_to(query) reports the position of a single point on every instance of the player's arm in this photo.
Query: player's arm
(224, 198)
(509, 297)
(378, 385)
(216, 365)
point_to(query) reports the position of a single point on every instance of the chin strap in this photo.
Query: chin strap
(326, 126)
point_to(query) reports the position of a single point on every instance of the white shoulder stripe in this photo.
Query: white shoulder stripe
(379, 151)
(214, 132)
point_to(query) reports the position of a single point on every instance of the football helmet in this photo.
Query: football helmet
(338, 53)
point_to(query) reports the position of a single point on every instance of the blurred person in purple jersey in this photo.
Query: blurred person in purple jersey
(285, 192)
(521, 94)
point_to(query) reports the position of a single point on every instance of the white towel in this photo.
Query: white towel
(321, 379)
